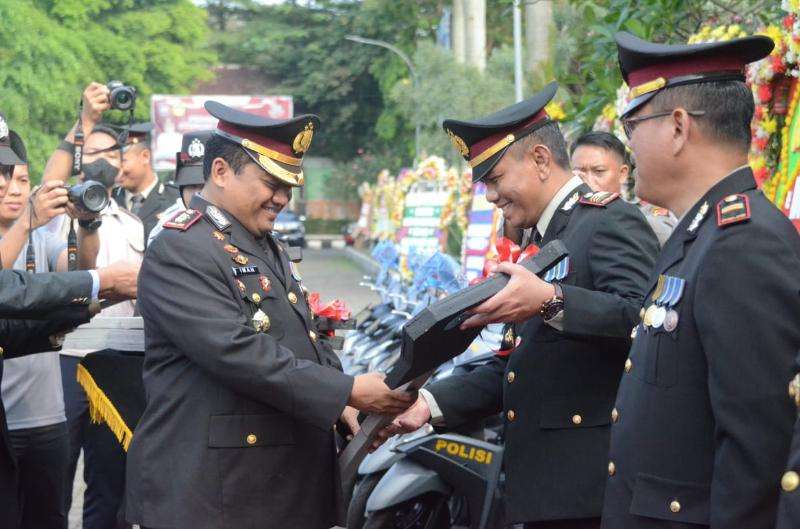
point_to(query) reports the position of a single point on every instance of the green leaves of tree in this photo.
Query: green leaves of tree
(51, 49)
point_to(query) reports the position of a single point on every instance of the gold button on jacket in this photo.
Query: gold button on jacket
(292, 298)
(614, 415)
(251, 439)
(675, 506)
(511, 415)
(510, 377)
(577, 419)
(312, 335)
(612, 468)
(790, 481)
(628, 365)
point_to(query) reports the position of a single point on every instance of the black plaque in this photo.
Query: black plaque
(432, 338)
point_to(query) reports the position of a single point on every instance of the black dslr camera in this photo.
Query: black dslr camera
(90, 196)
(121, 96)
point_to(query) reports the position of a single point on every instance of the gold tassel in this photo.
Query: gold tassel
(102, 410)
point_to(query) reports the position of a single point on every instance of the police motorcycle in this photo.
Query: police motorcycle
(375, 465)
(374, 320)
(392, 492)
(383, 348)
(377, 346)
(438, 276)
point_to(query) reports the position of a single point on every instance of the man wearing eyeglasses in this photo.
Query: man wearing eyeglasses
(702, 423)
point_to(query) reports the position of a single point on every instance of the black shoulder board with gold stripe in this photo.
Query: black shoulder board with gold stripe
(599, 199)
(183, 219)
(733, 209)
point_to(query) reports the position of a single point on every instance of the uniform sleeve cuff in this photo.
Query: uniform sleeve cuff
(437, 419)
(95, 284)
(557, 321)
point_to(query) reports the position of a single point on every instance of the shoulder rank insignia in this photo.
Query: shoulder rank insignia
(217, 218)
(569, 204)
(698, 218)
(599, 199)
(183, 219)
(733, 209)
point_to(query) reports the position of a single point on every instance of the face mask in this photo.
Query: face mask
(101, 171)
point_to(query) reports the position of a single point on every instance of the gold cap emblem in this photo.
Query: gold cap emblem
(302, 141)
(458, 143)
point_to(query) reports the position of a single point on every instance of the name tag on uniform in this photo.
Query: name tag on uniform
(239, 271)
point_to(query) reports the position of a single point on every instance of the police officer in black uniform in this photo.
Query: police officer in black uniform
(188, 176)
(557, 388)
(702, 424)
(242, 392)
(789, 506)
(140, 191)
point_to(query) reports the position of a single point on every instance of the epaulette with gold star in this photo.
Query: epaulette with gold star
(599, 198)
(733, 209)
(182, 220)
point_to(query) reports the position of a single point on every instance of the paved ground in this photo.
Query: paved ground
(329, 272)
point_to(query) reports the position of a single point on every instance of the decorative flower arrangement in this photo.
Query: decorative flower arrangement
(390, 193)
(556, 111)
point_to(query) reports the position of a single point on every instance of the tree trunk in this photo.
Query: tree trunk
(538, 24)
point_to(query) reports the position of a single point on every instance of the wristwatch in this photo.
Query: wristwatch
(90, 225)
(554, 305)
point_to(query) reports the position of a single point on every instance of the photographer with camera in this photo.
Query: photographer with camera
(31, 388)
(139, 191)
(121, 237)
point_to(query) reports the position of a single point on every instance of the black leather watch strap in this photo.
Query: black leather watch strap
(90, 225)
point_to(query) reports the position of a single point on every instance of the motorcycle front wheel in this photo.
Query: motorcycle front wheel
(428, 511)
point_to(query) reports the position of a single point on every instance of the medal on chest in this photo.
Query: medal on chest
(661, 312)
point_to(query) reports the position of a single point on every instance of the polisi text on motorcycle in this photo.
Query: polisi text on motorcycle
(463, 451)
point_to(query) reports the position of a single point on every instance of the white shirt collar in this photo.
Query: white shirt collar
(547, 215)
(145, 192)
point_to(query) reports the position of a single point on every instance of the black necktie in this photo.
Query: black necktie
(536, 237)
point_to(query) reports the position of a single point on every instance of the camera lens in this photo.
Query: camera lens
(90, 196)
(95, 198)
(122, 97)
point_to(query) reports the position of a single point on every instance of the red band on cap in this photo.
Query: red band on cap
(283, 148)
(686, 66)
(487, 142)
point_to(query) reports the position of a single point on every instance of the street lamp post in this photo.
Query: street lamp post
(411, 69)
